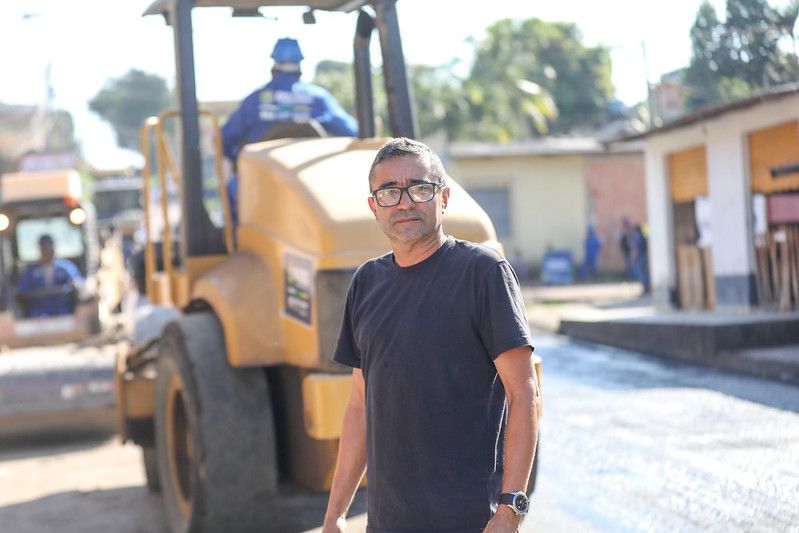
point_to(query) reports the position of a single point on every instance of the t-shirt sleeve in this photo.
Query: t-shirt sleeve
(502, 320)
(347, 352)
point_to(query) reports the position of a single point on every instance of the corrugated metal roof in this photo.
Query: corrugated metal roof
(707, 113)
(160, 6)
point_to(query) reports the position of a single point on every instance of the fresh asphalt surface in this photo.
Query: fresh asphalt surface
(628, 443)
(633, 443)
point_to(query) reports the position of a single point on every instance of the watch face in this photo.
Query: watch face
(521, 503)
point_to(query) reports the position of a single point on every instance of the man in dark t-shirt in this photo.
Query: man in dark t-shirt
(444, 402)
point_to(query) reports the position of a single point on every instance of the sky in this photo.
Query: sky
(87, 42)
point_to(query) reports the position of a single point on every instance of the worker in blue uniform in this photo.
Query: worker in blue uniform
(284, 99)
(49, 287)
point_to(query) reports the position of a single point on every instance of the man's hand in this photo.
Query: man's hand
(504, 521)
(339, 526)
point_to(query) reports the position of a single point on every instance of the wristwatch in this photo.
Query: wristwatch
(517, 501)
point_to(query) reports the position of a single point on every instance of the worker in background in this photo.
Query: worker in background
(592, 246)
(640, 256)
(624, 236)
(50, 286)
(284, 99)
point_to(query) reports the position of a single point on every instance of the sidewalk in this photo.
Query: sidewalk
(547, 304)
(758, 343)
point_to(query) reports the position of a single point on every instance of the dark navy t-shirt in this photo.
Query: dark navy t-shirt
(425, 337)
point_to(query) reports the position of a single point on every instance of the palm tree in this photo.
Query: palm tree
(538, 104)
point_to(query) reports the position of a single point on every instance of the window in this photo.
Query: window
(68, 238)
(112, 202)
(494, 201)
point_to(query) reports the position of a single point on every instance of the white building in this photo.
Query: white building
(723, 204)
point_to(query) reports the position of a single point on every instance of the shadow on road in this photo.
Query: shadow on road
(297, 510)
(135, 510)
(122, 510)
(28, 446)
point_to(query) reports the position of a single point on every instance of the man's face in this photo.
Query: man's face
(407, 222)
(47, 253)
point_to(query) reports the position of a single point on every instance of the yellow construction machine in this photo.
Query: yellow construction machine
(33, 204)
(229, 385)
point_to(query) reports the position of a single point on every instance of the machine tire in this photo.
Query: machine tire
(150, 461)
(214, 433)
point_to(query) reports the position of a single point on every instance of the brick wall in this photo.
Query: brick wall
(615, 188)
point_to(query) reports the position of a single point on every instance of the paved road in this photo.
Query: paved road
(633, 443)
(629, 443)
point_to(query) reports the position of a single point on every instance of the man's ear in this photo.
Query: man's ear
(371, 201)
(444, 198)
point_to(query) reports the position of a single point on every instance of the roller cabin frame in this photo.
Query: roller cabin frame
(199, 236)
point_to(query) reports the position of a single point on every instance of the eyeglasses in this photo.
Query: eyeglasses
(419, 193)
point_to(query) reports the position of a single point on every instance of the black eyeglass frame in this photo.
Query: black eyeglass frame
(402, 190)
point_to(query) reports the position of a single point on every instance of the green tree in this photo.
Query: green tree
(702, 76)
(751, 37)
(529, 78)
(338, 78)
(747, 51)
(787, 25)
(524, 67)
(432, 88)
(126, 101)
(435, 91)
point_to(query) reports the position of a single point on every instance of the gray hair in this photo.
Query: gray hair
(402, 146)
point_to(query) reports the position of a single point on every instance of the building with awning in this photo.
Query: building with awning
(722, 190)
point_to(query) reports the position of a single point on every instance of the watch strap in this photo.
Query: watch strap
(506, 498)
(512, 498)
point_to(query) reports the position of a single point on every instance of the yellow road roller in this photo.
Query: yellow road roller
(228, 384)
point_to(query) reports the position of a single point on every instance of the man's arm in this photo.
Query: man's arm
(236, 127)
(341, 122)
(73, 273)
(516, 370)
(351, 461)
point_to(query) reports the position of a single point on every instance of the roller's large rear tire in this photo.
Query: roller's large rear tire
(150, 461)
(214, 433)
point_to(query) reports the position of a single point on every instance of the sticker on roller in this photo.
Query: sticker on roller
(298, 281)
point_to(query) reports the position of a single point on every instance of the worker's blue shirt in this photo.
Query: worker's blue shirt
(65, 277)
(284, 99)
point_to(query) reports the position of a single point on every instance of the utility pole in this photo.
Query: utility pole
(650, 108)
(42, 119)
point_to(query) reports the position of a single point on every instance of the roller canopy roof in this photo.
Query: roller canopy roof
(160, 6)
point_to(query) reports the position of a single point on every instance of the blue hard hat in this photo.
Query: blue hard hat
(287, 50)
